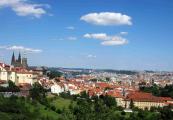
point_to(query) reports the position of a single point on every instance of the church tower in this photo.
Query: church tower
(24, 63)
(13, 60)
(19, 59)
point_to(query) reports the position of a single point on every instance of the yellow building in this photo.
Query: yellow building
(146, 100)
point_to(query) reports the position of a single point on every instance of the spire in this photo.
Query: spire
(13, 59)
(19, 58)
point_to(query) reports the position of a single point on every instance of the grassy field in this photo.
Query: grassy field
(44, 112)
(38, 109)
(61, 103)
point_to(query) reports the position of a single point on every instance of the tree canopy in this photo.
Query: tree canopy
(53, 74)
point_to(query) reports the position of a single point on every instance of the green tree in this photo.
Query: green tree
(12, 87)
(53, 74)
(84, 94)
(100, 110)
(108, 79)
(131, 104)
(82, 110)
(166, 113)
(37, 92)
(109, 101)
(94, 80)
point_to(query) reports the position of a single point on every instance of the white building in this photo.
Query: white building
(16, 74)
(57, 88)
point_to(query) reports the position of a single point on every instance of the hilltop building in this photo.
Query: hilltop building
(20, 62)
(19, 72)
(18, 75)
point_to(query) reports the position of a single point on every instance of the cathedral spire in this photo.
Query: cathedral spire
(19, 58)
(13, 59)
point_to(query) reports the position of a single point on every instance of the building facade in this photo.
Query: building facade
(146, 100)
(17, 74)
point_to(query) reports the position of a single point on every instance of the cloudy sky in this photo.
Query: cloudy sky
(117, 34)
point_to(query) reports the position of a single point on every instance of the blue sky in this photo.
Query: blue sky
(116, 34)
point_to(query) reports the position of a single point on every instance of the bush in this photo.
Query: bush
(119, 108)
(123, 113)
(53, 108)
(135, 109)
(58, 111)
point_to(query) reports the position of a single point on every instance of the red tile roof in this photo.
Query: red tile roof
(115, 94)
(144, 97)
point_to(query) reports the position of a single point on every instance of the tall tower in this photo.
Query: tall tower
(13, 60)
(19, 59)
(24, 61)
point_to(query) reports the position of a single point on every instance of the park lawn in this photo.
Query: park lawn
(58, 102)
(44, 112)
(61, 103)
(47, 112)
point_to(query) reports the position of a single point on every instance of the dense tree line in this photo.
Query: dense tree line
(54, 73)
(17, 108)
(166, 91)
(105, 108)
(10, 88)
(127, 72)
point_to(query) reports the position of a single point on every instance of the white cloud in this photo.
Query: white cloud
(113, 42)
(70, 28)
(100, 36)
(4, 3)
(57, 39)
(107, 18)
(71, 38)
(107, 39)
(21, 48)
(91, 56)
(24, 7)
(123, 33)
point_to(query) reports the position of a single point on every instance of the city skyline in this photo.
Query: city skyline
(89, 34)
